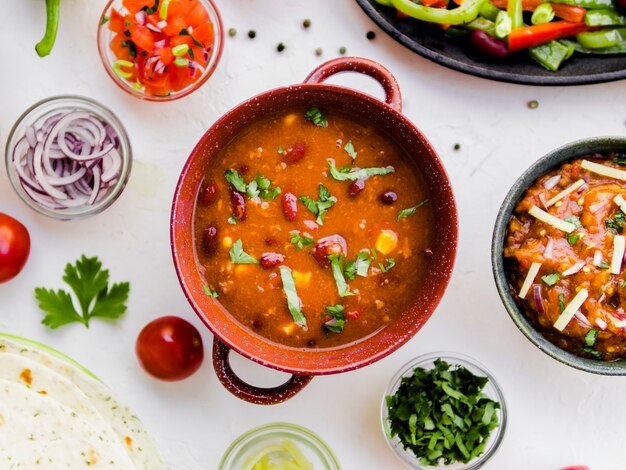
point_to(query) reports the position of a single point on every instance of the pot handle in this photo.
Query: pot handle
(368, 67)
(247, 392)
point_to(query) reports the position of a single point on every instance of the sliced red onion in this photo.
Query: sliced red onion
(162, 24)
(597, 258)
(552, 182)
(154, 29)
(538, 299)
(574, 269)
(581, 318)
(68, 159)
(141, 17)
(597, 206)
(601, 323)
(160, 44)
(547, 252)
(543, 201)
(582, 189)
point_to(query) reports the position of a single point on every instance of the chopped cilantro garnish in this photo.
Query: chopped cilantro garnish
(604, 265)
(392, 263)
(281, 150)
(321, 206)
(105, 19)
(442, 415)
(90, 284)
(132, 48)
(338, 321)
(301, 241)
(293, 301)
(353, 174)
(561, 302)
(349, 148)
(127, 33)
(551, 279)
(572, 219)
(592, 352)
(336, 263)
(411, 210)
(616, 224)
(620, 160)
(316, 117)
(573, 238)
(360, 266)
(590, 337)
(210, 293)
(232, 220)
(238, 256)
(258, 187)
(152, 9)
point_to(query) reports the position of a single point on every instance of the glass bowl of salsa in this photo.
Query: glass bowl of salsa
(160, 51)
(279, 443)
(449, 380)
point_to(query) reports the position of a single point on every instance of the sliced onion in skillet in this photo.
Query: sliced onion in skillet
(68, 160)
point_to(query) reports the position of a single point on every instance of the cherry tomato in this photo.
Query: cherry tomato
(14, 247)
(170, 348)
(576, 467)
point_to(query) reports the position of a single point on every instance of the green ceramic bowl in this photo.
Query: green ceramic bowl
(550, 161)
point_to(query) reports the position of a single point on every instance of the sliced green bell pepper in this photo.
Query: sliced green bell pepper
(551, 55)
(604, 18)
(602, 39)
(463, 14)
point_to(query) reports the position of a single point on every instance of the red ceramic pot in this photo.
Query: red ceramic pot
(229, 334)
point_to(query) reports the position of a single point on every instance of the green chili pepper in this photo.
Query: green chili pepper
(463, 14)
(544, 13)
(514, 9)
(489, 11)
(617, 49)
(551, 55)
(602, 39)
(589, 4)
(604, 18)
(53, 8)
(482, 24)
(503, 24)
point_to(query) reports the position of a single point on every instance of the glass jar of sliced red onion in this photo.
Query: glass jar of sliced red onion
(68, 157)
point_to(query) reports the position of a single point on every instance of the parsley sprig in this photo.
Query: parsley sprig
(301, 240)
(338, 320)
(321, 206)
(239, 256)
(348, 173)
(316, 117)
(442, 414)
(90, 285)
(258, 187)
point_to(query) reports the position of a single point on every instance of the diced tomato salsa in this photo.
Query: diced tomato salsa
(161, 47)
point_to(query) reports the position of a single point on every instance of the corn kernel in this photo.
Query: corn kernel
(301, 279)
(581, 201)
(558, 203)
(379, 304)
(386, 242)
(542, 232)
(290, 119)
(288, 328)
(227, 242)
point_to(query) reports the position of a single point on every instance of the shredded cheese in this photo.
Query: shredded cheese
(604, 170)
(619, 247)
(621, 202)
(570, 189)
(530, 277)
(549, 219)
(571, 309)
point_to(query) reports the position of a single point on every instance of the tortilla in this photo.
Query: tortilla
(73, 388)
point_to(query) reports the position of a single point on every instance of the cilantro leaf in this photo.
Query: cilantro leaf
(338, 320)
(294, 304)
(232, 220)
(321, 206)
(561, 302)
(349, 148)
(209, 292)
(356, 173)
(316, 117)
(336, 263)
(590, 337)
(572, 219)
(90, 285)
(410, 211)
(551, 279)
(236, 180)
(152, 9)
(360, 266)
(238, 256)
(615, 224)
(258, 187)
(105, 19)
(301, 241)
(620, 160)
(573, 238)
(383, 268)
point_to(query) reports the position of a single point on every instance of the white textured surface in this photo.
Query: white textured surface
(557, 415)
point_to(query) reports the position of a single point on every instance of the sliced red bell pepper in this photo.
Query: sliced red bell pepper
(530, 36)
(570, 13)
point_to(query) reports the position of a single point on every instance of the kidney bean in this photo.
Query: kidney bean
(295, 153)
(356, 187)
(244, 170)
(271, 260)
(208, 194)
(210, 241)
(238, 203)
(270, 241)
(388, 197)
(331, 245)
(290, 206)
(353, 314)
(491, 46)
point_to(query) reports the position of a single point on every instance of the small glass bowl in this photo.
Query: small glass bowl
(313, 447)
(54, 105)
(105, 35)
(491, 390)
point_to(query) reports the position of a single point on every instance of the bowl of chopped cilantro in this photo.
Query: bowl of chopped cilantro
(444, 410)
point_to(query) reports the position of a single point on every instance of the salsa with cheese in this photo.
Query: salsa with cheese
(313, 229)
(564, 251)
